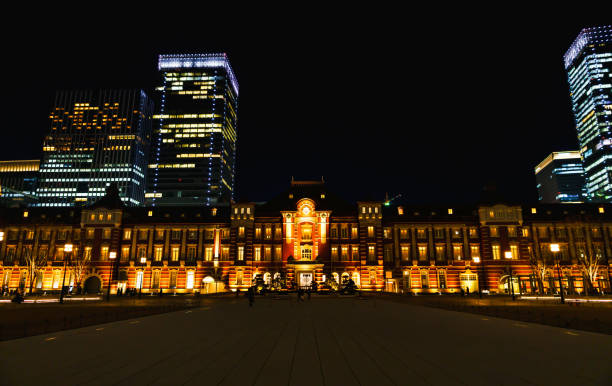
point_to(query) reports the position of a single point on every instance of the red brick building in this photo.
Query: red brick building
(307, 234)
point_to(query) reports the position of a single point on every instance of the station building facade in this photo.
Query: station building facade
(303, 235)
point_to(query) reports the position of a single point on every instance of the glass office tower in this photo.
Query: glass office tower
(96, 138)
(194, 145)
(588, 63)
(560, 178)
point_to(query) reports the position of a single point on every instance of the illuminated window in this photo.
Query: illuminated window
(457, 252)
(514, 250)
(268, 233)
(440, 252)
(240, 253)
(107, 234)
(104, 253)
(173, 275)
(442, 279)
(424, 279)
(257, 232)
(400, 210)
(268, 253)
(512, 231)
(344, 231)
(496, 252)
(601, 210)
(534, 210)
(240, 231)
(127, 234)
(475, 250)
(208, 253)
(525, 232)
(421, 233)
(405, 251)
(150, 213)
(422, 252)
(175, 253)
(278, 252)
(355, 253)
(344, 255)
(371, 252)
(278, 232)
(257, 253)
(190, 277)
(370, 231)
(354, 232)
(450, 211)
(139, 276)
(306, 232)
(125, 253)
(26, 213)
(334, 253)
(494, 232)
(87, 253)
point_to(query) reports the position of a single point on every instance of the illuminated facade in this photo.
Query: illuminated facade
(96, 138)
(560, 178)
(308, 234)
(18, 181)
(588, 63)
(193, 161)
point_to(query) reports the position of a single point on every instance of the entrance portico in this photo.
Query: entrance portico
(306, 272)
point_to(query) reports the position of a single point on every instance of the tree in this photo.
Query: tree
(34, 263)
(539, 266)
(78, 265)
(590, 264)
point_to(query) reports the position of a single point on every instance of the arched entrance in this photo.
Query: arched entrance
(505, 288)
(92, 285)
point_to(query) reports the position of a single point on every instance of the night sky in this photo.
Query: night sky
(428, 108)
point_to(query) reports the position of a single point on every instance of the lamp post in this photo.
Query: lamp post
(112, 255)
(476, 260)
(554, 248)
(143, 260)
(67, 250)
(508, 255)
(216, 266)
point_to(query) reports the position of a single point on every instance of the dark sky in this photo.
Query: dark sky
(427, 106)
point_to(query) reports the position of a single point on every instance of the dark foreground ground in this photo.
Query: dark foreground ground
(324, 341)
(587, 316)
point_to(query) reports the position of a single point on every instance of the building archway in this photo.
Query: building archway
(505, 288)
(92, 285)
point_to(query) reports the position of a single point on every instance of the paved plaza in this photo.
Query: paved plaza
(324, 341)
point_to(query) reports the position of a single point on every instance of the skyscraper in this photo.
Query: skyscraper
(96, 138)
(193, 161)
(588, 63)
(560, 178)
(18, 180)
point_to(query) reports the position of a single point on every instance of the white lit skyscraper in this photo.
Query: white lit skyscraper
(194, 142)
(588, 63)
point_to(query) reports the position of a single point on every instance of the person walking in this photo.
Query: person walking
(251, 295)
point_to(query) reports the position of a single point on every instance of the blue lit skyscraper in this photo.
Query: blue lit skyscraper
(560, 178)
(588, 63)
(194, 144)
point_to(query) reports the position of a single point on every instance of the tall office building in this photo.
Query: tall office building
(588, 63)
(560, 178)
(194, 144)
(96, 138)
(18, 179)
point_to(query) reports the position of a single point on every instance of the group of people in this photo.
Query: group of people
(250, 294)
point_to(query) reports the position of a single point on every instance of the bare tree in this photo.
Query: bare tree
(34, 263)
(539, 266)
(78, 265)
(590, 263)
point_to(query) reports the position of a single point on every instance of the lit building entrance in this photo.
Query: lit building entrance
(305, 279)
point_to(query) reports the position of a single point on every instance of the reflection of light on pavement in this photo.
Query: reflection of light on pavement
(50, 300)
(571, 333)
(51, 338)
(567, 300)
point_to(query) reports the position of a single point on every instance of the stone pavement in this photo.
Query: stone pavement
(324, 341)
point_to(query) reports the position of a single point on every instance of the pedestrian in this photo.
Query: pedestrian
(308, 292)
(467, 291)
(462, 292)
(251, 294)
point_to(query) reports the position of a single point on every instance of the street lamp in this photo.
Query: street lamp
(67, 249)
(216, 265)
(112, 256)
(143, 260)
(508, 255)
(476, 260)
(554, 248)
